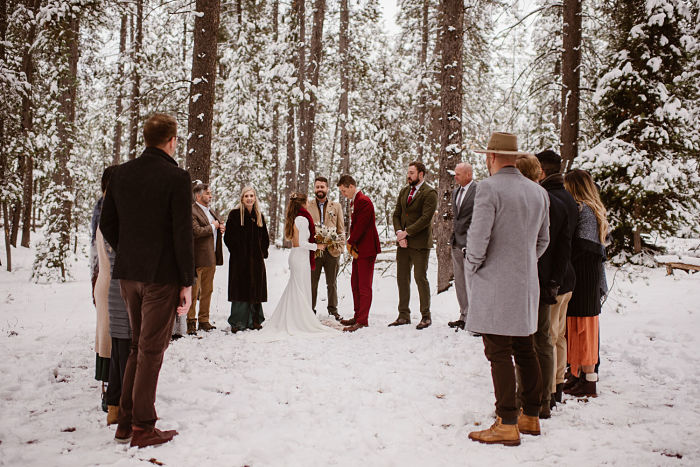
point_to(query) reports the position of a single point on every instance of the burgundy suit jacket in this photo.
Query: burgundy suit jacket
(363, 227)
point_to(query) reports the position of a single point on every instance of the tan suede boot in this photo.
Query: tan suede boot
(499, 433)
(528, 425)
(112, 414)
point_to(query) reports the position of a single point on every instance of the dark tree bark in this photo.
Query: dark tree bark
(274, 176)
(134, 106)
(302, 117)
(316, 53)
(3, 155)
(27, 128)
(202, 88)
(117, 144)
(343, 46)
(451, 135)
(571, 77)
(423, 60)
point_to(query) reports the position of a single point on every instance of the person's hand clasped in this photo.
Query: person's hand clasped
(321, 246)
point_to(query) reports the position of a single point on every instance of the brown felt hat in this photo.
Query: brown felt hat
(503, 143)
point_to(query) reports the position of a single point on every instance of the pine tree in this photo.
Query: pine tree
(646, 162)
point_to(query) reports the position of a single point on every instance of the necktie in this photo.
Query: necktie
(460, 193)
(410, 195)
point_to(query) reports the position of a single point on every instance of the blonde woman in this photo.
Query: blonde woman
(247, 241)
(587, 258)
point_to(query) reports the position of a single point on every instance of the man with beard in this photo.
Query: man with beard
(413, 219)
(328, 213)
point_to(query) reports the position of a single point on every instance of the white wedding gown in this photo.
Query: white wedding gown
(294, 315)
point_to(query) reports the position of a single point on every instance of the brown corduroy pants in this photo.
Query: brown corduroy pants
(152, 312)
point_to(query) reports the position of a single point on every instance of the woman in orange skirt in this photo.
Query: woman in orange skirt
(587, 258)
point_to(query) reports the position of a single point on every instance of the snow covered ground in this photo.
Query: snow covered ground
(379, 397)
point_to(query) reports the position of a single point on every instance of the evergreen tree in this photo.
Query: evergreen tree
(646, 161)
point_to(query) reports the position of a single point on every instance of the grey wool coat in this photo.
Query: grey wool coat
(508, 233)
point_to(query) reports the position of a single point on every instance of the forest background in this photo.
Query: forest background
(273, 93)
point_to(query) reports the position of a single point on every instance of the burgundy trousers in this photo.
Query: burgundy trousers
(361, 281)
(152, 313)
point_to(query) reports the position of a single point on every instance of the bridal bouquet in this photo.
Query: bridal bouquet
(328, 236)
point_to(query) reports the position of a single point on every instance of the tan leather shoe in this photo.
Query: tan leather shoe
(153, 437)
(354, 327)
(498, 434)
(347, 322)
(112, 414)
(528, 425)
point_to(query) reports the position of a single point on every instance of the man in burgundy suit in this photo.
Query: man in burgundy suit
(363, 245)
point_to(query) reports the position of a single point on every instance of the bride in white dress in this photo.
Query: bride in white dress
(294, 314)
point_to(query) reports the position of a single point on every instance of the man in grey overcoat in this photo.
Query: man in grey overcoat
(462, 207)
(509, 232)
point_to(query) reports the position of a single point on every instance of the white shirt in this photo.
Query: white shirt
(462, 194)
(211, 219)
(417, 187)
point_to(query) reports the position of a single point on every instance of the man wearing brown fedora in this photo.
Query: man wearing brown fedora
(508, 233)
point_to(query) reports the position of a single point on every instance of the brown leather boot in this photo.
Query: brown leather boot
(498, 434)
(112, 414)
(528, 425)
(123, 434)
(143, 438)
(192, 328)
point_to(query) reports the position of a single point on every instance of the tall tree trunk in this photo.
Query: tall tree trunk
(423, 60)
(316, 53)
(451, 135)
(134, 106)
(274, 176)
(302, 123)
(6, 229)
(201, 102)
(117, 144)
(343, 46)
(571, 73)
(27, 128)
(3, 154)
(290, 166)
(60, 218)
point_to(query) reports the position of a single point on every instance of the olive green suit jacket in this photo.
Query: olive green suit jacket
(417, 218)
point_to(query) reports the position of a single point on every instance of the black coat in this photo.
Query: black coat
(248, 245)
(552, 265)
(147, 218)
(554, 184)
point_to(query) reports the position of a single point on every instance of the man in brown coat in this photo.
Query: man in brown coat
(207, 229)
(332, 214)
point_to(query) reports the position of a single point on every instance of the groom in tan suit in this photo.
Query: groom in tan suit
(208, 231)
(332, 214)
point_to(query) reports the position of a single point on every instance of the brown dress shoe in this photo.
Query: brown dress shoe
(456, 324)
(143, 438)
(206, 327)
(335, 315)
(191, 328)
(424, 323)
(400, 322)
(123, 434)
(528, 425)
(584, 388)
(256, 326)
(354, 327)
(347, 322)
(498, 434)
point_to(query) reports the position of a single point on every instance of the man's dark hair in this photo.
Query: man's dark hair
(106, 176)
(199, 188)
(159, 129)
(346, 180)
(321, 179)
(550, 162)
(420, 167)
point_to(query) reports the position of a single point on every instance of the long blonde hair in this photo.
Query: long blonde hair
(256, 206)
(581, 186)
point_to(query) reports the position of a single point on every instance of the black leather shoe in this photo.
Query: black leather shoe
(424, 323)
(400, 322)
(456, 324)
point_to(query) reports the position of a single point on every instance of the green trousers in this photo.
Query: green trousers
(244, 314)
(329, 265)
(407, 258)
